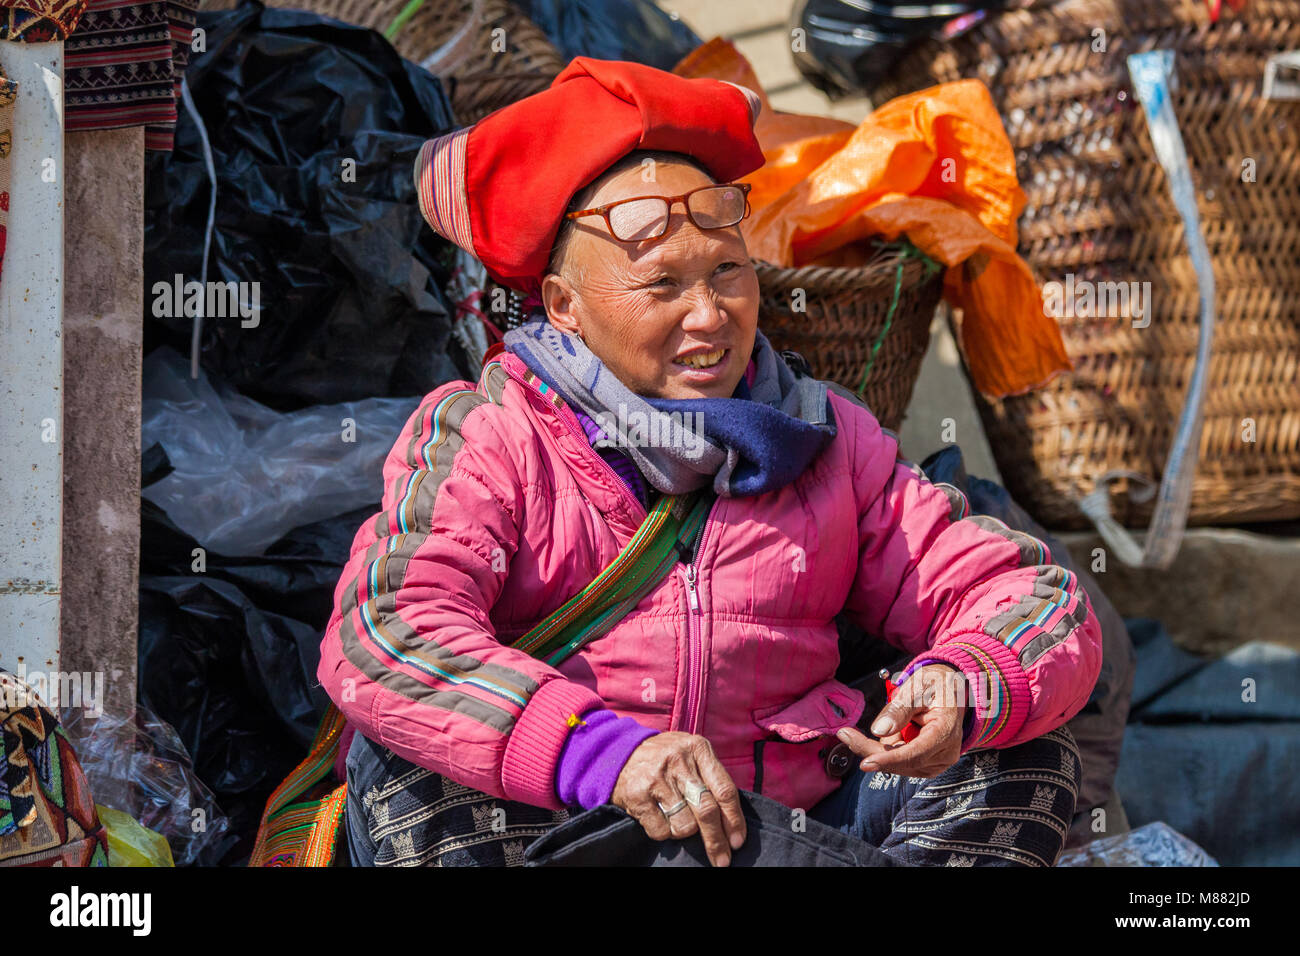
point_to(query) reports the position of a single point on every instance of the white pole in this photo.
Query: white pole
(31, 366)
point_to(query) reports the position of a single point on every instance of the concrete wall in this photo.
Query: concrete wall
(1227, 586)
(102, 346)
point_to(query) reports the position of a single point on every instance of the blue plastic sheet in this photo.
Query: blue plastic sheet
(1213, 747)
(633, 30)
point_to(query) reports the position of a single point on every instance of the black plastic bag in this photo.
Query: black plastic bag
(229, 648)
(314, 127)
(635, 30)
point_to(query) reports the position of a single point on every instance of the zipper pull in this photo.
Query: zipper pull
(690, 587)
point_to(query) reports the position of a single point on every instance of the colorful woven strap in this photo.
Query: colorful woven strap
(298, 829)
(291, 830)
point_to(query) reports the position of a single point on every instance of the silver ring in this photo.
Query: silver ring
(694, 792)
(677, 807)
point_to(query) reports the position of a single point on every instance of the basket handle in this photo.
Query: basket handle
(1151, 73)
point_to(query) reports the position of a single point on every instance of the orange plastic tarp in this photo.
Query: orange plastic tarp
(935, 166)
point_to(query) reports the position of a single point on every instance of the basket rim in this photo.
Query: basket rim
(879, 271)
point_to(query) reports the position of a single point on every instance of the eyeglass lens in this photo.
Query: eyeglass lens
(713, 208)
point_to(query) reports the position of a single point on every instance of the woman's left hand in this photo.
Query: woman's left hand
(933, 697)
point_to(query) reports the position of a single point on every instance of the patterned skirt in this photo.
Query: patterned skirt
(1009, 807)
(399, 814)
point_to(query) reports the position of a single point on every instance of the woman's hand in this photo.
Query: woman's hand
(935, 698)
(679, 772)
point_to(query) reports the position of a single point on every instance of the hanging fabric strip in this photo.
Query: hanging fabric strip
(8, 94)
(123, 64)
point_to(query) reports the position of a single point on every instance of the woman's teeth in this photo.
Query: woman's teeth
(703, 359)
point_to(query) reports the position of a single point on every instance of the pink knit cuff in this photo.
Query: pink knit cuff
(533, 750)
(1001, 687)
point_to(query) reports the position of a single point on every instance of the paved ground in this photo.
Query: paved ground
(760, 30)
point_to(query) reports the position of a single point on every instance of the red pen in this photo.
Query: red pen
(911, 730)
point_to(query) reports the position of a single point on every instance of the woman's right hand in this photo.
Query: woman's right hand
(675, 769)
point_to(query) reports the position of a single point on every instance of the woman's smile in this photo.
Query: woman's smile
(700, 368)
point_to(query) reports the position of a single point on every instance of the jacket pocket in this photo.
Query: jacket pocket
(820, 712)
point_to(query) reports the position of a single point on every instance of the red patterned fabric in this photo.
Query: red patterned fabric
(47, 813)
(499, 188)
(123, 67)
(38, 21)
(8, 94)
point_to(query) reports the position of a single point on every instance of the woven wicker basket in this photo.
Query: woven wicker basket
(842, 322)
(1100, 208)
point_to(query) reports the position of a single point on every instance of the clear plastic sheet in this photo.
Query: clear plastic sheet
(1153, 78)
(243, 474)
(139, 766)
(1155, 844)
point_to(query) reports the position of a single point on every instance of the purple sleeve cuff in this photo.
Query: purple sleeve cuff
(594, 755)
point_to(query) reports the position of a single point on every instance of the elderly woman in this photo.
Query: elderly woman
(610, 570)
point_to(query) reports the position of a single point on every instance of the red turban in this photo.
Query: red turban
(499, 188)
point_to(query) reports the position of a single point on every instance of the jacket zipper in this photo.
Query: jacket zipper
(694, 638)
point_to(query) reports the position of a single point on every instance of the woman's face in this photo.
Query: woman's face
(672, 317)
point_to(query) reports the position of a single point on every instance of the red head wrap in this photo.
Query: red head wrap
(500, 187)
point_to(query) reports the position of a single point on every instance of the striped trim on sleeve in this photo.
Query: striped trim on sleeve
(374, 635)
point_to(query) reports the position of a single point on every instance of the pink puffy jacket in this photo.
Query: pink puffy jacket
(496, 510)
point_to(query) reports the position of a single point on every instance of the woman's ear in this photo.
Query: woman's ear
(559, 301)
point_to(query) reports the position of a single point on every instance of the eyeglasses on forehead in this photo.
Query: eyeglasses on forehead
(716, 206)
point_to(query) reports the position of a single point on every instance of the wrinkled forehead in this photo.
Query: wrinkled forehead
(641, 174)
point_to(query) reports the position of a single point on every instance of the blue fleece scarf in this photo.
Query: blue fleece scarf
(759, 440)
